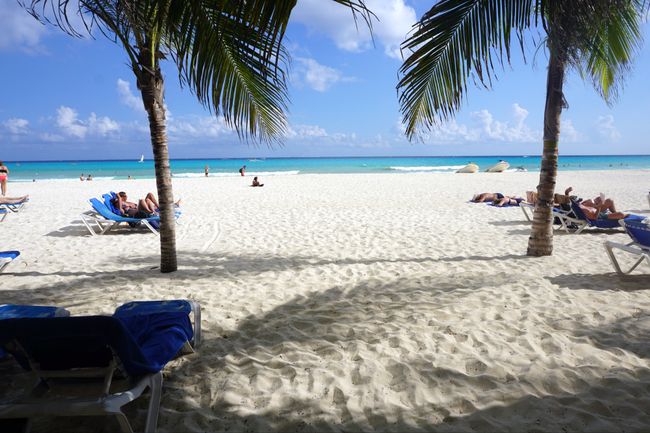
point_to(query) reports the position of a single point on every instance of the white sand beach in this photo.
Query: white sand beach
(368, 302)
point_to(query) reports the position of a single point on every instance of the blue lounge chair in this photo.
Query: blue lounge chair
(7, 257)
(134, 344)
(102, 219)
(576, 221)
(13, 311)
(639, 231)
(3, 214)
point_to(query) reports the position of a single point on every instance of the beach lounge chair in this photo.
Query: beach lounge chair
(14, 207)
(13, 311)
(7, 257)
(102, 219)
(639, 231)
(576, 221)
(3, 214)
(124, 353)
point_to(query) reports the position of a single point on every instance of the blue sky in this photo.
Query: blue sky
(68, 98)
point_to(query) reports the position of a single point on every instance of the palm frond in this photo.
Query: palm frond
(455, 40)
(617, 37)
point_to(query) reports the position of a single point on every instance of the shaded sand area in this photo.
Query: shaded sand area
(362, 303)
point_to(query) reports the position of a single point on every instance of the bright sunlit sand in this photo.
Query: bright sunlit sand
(367, 302)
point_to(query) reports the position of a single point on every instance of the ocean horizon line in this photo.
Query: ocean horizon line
(324, 157)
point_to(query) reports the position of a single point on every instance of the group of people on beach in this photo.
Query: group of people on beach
(599, 207)
(242, 172)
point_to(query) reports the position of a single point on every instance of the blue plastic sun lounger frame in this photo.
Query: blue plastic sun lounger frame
(124, 352)
(640, 245)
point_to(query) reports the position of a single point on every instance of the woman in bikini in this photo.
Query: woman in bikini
(4, 174)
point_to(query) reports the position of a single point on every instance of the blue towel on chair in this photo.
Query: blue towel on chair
(143, 343)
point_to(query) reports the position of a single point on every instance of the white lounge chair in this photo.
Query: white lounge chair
(640, 245)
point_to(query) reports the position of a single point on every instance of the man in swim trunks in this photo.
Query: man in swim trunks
(601, 208)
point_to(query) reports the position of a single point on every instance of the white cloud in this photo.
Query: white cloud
(127, 97)
(19, 29)
(506, 131)
(102, 125)
(485, 129)
(318, 77)
(394, 20)
(46, 136)
(68, 122)
(199, 127)
(305, 131)
(568, 132)
(607, 129)
(16, 126)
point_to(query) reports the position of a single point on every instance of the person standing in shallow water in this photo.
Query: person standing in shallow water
(207, 170)
(242, 170)
(4, 174)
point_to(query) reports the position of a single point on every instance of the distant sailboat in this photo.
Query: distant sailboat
(141, 158)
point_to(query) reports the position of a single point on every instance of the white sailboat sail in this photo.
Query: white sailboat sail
(141, 158)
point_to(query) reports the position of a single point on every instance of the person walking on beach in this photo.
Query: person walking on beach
(4, 174)
(242, 170)
(207, 170)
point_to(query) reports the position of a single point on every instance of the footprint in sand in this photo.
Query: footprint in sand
(475, 367)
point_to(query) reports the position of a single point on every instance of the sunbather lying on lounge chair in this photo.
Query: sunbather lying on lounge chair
(508, 201)
(13, 200)
(145, 208)
(487, 196)
(601, 208)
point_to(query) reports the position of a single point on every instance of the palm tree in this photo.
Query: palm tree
(229, 53)
(457, 40)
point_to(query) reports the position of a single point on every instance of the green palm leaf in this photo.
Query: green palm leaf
(453, 41)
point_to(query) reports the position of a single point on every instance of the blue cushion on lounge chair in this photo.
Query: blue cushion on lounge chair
(12, 311)
(600, 223)
(108, 201)
(104, 211)
(143, 343)
(9, 254)
(638, 231)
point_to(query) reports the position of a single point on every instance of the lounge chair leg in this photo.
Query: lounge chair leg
(196, 309)
(147, 225)
(617, 266)
(88, 226)
(154, 403)
(125, 426)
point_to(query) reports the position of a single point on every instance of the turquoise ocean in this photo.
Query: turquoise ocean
(26, 171)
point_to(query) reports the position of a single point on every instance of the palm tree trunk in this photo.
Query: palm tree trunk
(540, 242)
(151, 85)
